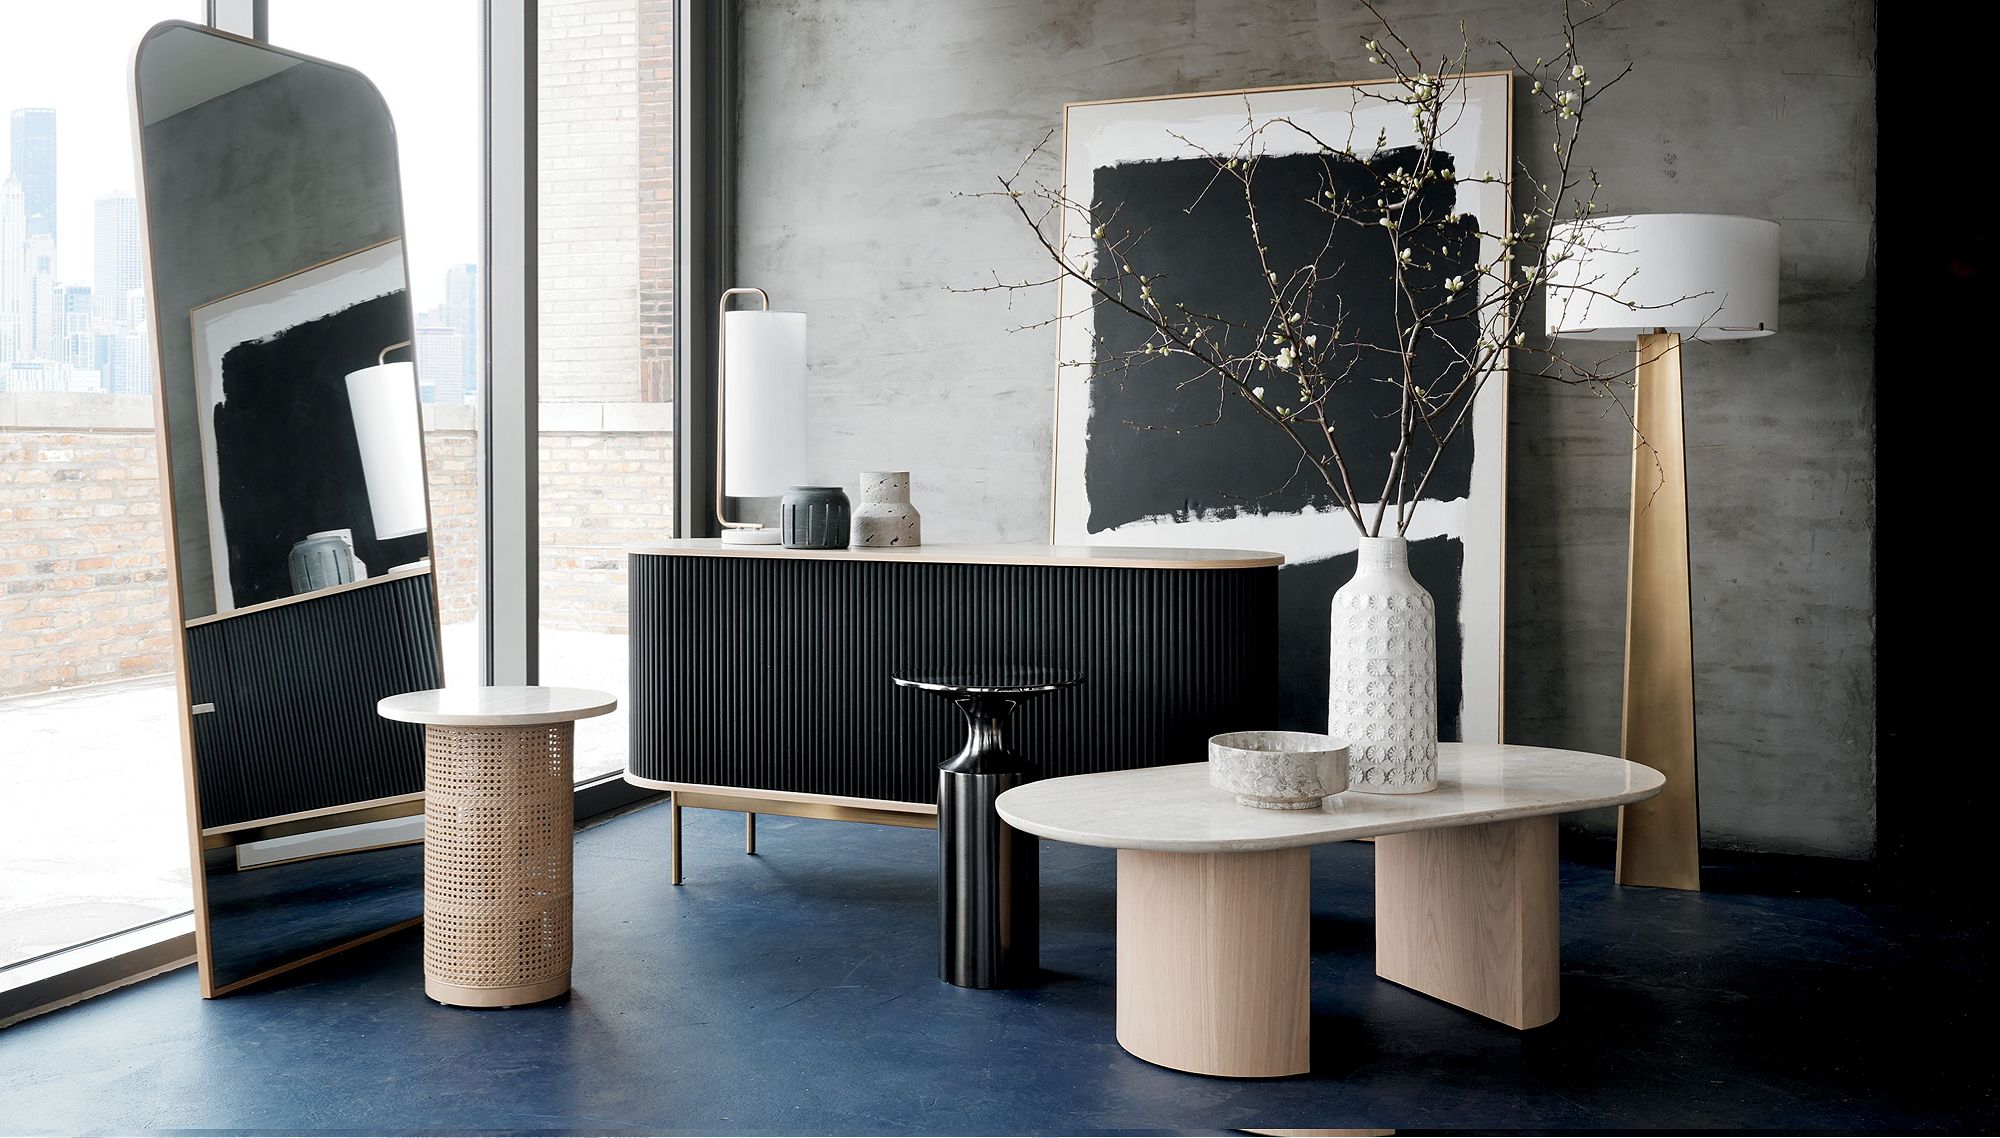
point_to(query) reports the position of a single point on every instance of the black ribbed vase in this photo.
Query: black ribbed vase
(814, 517)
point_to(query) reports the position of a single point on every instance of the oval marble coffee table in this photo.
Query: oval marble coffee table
(1214, 899)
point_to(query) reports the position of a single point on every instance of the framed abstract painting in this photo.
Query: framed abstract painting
(282, 446)
(1149, 450)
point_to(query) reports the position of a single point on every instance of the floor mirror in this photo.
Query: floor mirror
(298, 523)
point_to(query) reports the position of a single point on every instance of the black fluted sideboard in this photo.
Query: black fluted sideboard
(761, 676)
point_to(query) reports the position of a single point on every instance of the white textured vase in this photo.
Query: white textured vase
(1382, 673)
(883, 517)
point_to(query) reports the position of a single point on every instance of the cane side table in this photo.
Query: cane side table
(498, 823)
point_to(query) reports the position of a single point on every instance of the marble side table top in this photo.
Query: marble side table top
(1174, 809)
(495, 707)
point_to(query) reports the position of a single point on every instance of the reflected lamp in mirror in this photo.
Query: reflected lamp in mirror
(761, 410)
(388, 427)
(1652, 280)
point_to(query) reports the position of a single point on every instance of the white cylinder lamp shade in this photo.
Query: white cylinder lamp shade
(1705, 276)
(764, 403)
(390, 431)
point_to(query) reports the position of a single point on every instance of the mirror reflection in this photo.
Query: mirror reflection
(300, 536)
(275, 901)
(275, 223)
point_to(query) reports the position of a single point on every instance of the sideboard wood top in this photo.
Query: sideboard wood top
(1086, 556)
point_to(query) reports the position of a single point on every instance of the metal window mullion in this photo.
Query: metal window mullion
(509, 595)
(241, 17)
(704, 241)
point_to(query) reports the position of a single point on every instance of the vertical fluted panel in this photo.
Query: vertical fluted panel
(294, 689)
(774, 673)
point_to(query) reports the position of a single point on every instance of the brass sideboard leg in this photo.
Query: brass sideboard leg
(749, 832)
(674, 843)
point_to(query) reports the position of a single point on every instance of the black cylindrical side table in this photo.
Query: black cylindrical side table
(989, 874)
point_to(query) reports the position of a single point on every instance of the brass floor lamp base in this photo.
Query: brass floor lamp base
(1659, 840)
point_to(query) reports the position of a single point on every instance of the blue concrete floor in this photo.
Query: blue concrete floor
(795, 992)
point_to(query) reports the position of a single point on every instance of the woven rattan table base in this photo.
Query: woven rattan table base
(498, 822)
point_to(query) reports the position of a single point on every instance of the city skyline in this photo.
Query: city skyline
(58, 333)
(430, 76)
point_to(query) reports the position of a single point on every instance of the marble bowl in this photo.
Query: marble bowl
(1278, 770)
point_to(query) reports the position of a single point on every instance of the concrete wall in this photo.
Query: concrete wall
(861, 121)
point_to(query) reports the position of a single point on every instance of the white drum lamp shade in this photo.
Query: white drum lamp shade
(1703, 276)
(764, 402)
(387, 425)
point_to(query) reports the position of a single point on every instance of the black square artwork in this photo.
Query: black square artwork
(1164, 442)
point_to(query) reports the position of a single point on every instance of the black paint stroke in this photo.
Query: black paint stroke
(1156, 448)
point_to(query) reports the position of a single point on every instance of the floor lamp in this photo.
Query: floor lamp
(1657, 278)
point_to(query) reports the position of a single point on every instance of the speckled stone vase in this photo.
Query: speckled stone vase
(1382, 673)
(885, 519)
(814, 517)
(1277, 770)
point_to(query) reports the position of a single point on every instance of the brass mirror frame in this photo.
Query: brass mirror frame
(350, 814)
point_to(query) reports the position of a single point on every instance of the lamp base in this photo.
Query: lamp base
(760, 536)
(1659, 840)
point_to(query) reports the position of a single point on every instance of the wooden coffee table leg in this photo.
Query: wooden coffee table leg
(1468, 915)
(1214, 960)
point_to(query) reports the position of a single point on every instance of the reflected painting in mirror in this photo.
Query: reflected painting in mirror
(311, 446)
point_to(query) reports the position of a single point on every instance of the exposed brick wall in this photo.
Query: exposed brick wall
(452, 452)
(656, 199)
(588, 205)
(83, 593)
(82, 559)
(600, 493)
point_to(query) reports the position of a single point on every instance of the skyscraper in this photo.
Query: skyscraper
(13, 267)
(76, 344)
(440, 371)
(461, 315)
(38, 305)
(33, 163)
(117, 260)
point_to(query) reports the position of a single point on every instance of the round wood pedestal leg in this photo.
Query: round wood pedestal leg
(1214, 961)
(498, 822)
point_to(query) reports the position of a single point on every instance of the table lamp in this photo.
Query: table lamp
(760, 419)
(388, 426)
(1656, 278)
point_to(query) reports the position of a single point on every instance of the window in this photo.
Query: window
(93, 828)
(606, 219)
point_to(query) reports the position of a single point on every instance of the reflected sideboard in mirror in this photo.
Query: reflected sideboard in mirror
(293, 465)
